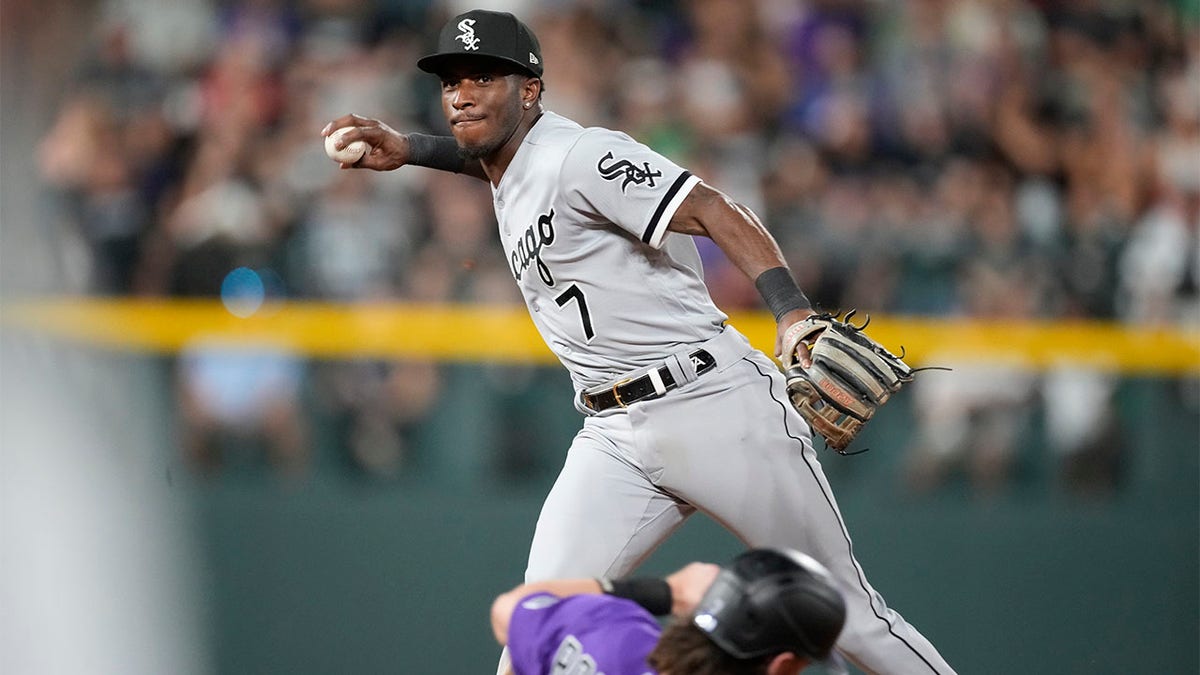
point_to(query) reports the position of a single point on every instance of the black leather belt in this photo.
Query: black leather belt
(628, 392)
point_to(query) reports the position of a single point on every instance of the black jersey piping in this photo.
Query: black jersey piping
(662, 205)
(841, 523)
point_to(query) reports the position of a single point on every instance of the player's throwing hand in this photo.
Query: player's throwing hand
(389, 149)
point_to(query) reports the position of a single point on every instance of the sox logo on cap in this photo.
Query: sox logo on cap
(467, 36)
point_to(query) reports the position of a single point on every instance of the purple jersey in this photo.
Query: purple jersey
(581, 635)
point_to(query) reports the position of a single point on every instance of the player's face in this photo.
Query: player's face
(482, 103)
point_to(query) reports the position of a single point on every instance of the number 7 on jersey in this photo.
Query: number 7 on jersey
(573, 293)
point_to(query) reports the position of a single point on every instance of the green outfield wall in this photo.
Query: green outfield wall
(343, 571)
(345, 575)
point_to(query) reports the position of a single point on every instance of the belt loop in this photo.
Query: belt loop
(656, 380)
(676, 370)
(681, 366)
(581, 404)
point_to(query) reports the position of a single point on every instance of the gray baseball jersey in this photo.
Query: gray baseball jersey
(583, 216)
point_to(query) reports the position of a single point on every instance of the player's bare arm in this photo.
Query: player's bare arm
(744, 239)
(505, 603)
(687, 585)
(391, 149)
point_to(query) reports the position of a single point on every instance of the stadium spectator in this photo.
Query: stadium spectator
(910, 157)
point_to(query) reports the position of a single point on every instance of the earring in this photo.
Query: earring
(528, 105)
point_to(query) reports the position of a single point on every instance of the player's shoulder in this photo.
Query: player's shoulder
(555, 130)
(538, 601)
(582, 604)
(593, 138)
(591, 145)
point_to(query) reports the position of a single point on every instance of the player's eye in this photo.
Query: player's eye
(483, 79)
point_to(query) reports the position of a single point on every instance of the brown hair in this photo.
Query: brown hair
(684, 649)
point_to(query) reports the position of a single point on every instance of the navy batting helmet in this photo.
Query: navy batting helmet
(770, 601)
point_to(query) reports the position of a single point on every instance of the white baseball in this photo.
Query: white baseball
(347, 155)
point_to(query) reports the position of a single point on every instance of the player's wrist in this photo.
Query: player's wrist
(652, 593)
(781, 293)
(434, 152)
(796, 317)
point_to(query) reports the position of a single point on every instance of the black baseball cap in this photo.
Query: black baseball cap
(480, 32)
(770, 601)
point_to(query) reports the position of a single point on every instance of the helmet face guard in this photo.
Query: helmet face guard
(770, 601)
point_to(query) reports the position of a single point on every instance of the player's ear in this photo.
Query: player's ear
(531, 91)
(786, 663)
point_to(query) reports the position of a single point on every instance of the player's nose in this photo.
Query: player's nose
(463, 97)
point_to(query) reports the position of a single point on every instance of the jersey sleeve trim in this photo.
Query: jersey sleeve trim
(680, 189)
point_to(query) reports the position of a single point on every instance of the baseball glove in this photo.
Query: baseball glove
(850, 377)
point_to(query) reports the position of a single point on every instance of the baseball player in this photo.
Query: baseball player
(681, 413)
(768, 612)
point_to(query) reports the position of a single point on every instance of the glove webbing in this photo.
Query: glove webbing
(860, 370)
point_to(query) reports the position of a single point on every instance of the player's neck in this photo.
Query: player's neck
(495, 164)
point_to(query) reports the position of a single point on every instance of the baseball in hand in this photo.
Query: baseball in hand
(347, 155)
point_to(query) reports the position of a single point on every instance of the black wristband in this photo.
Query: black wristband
(652, 593)
(780, 291)
(435, 152)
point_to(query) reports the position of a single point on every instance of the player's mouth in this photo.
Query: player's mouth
(466, 121)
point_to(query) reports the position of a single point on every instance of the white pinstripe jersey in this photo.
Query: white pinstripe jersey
(583, 217)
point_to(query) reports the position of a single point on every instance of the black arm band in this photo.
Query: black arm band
(777, 287)
(652, 593)
(435, 152)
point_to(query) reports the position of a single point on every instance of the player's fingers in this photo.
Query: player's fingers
(343, 121)
(362, 163)
(367, 159)
(350, 120)
(360, 121)
(785, 349)
(803, 355)
(350, 135)
(375, 136)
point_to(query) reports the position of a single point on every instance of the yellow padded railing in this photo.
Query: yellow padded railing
(505, 334)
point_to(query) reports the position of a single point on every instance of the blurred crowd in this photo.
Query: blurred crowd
(977, 158)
